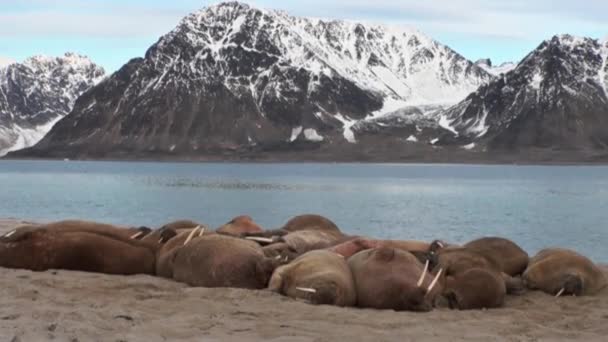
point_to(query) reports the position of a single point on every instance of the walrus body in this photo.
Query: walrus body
(475, 288)
(66, 226)
(356, 244)
(319, 276)
(43, 249)
(386, 278)
(508, 256)
(560, 271)
(239, 225)
(302, 222)
(165, 255)
(223, 261)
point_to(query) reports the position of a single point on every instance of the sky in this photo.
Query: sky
(111, 32)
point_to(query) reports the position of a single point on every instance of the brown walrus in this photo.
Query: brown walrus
(43, 249)
(475, 288)
(321, 277)
(79, 226)
(296, 243)
(389, 278)
(239, 225)
(223, 261)
(456, 261)
(172, 242)
(357, 244)
(508, 256)
(559, 271)
(302, 222)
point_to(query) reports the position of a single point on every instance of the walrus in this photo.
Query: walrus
(421, 249)
(559, 271)
(223, 261)
(319, 276)
(180, 224)
(171, 243)
(389, 278)
(508, 256)
(299, 223)
(475, 288)
(239, 225)
(79, 226)
(299, 242)
(457, 260)
(43, 249)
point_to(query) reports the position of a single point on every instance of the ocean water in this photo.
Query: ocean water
(536, 206)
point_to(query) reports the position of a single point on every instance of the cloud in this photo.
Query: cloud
(6, 61)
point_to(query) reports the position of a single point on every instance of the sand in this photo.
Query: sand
(78, 306)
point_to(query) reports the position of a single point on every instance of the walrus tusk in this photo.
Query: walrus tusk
(191, 235)
(259, 239)
(434, 281)
(426, 267)
(560, 292)
(9, 234)
(306, 289)
(201, 232)
(136, 235)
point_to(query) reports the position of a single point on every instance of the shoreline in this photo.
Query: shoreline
(79, 306)
(263, 161)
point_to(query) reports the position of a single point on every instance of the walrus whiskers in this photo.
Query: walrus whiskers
(434, 281)
(426, 267)
(136, 235)
(560, 292)
(191, 235)
(259, 239)
(306, 289)
(9, 234)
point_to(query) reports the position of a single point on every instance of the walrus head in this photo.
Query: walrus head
(571, 285)
(141, 232)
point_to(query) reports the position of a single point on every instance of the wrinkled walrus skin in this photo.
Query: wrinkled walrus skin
(556, 270)
(321, 277)
(43, 249)
(223, 261)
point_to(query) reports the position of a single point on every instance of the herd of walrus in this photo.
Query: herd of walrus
(309, 258)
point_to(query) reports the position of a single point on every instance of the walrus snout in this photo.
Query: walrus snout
(571, 285)
(415, 300)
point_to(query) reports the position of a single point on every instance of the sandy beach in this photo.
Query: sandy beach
(77, 306)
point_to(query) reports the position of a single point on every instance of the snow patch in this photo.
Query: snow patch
(469, 146)
(434, 141)
(412, 138)
(295, 132)
(447, 124)
(312, 135)
(347, 123)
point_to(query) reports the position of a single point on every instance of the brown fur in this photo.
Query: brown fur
(43, 249)
(509, 257)
(240, 225)
(555, 268)
(223, 261)
(326, 272)
(475, 288)
(386, 278)
(302, 222)
(107, 230)
(357, 244)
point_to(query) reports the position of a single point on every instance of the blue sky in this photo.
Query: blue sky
(112, 31)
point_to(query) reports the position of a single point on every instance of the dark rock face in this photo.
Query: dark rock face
(233, 78)
(555, 99)
(38, 92)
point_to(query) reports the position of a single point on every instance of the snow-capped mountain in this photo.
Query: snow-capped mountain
(35, 94)
(496, 70)
(231, 76)
(556, 98)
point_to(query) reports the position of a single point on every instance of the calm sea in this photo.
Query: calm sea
(537, 206)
